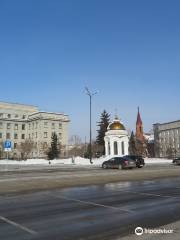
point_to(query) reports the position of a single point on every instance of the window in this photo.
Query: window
(24, 116)
(1, 125)
(29, 126)
(33, 126)
(1, 115)
(16, 126)
(23, 136)
(122, 146)
(36, 125)
(9, 115)
(8, 125)
(53, 125)
(115, 148)
(15, 145)
(23, 126)
(45, 135)
(15, 136)
(0, 135)
(32, 135)
(8, 135)
(45, 124)
(36, 134)
(60, 135)
(16, 116)
(60, 125)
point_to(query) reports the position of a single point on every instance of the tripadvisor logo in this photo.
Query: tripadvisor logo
(139, 231)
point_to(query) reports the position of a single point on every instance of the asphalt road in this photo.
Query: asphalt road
(110, 211)
(34, 178)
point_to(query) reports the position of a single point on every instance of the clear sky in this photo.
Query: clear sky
(127, 50)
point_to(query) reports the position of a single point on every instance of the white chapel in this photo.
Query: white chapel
(116, 139)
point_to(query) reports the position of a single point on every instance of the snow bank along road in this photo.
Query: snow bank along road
(31, 178)
(107, 211)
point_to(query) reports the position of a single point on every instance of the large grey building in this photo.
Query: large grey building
(167, 139)
(26, 124)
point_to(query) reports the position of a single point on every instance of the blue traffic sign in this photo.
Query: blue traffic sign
(7, 144)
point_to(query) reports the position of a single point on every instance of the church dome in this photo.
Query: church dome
(116, 125)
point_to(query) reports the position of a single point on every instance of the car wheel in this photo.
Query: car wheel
(104, 166)
(139, 166)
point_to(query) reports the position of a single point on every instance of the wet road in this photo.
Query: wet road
(101, 212)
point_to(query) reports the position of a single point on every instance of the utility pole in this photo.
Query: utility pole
(90, 94)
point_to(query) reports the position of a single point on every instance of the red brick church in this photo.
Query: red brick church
(139, 128)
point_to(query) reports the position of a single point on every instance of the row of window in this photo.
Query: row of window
(164, 140)
(172, 144)
(44, 144)
(170, 132)
(53, 125)
(46, 135)
(3, 115)
(33, 125)
(16, 126)
(8, 135)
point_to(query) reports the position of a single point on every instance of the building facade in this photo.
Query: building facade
(167, 139)
(21, 123)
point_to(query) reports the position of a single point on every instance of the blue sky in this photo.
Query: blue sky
(127, 50)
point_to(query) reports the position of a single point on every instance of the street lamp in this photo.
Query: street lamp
(90, 94)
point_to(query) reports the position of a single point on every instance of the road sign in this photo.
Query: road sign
(7, 146)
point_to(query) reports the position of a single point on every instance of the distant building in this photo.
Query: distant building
(167, 139)
(19, 123)
(149, 137)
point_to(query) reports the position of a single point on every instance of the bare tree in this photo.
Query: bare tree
(76, 148)
(75, 140)
(1, 149)
(26, 148)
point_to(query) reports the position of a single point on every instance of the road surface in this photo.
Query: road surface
(102, 212)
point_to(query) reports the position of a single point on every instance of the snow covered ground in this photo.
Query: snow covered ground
(77, 161)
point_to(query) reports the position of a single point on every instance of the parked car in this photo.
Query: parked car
(119, 163)
(176, 161)
(138, 159)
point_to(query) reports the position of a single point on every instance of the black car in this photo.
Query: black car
(176, 161)
(138, 159)
(119, 163)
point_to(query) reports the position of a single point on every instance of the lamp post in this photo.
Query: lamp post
(90, 94)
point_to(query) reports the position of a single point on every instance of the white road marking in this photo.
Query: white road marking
(94, 204)
(18, 225)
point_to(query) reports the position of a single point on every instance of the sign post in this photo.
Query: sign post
(7, 147)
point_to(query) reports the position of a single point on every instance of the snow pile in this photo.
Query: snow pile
(24, 162)
(77, 161)
(157, 161)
